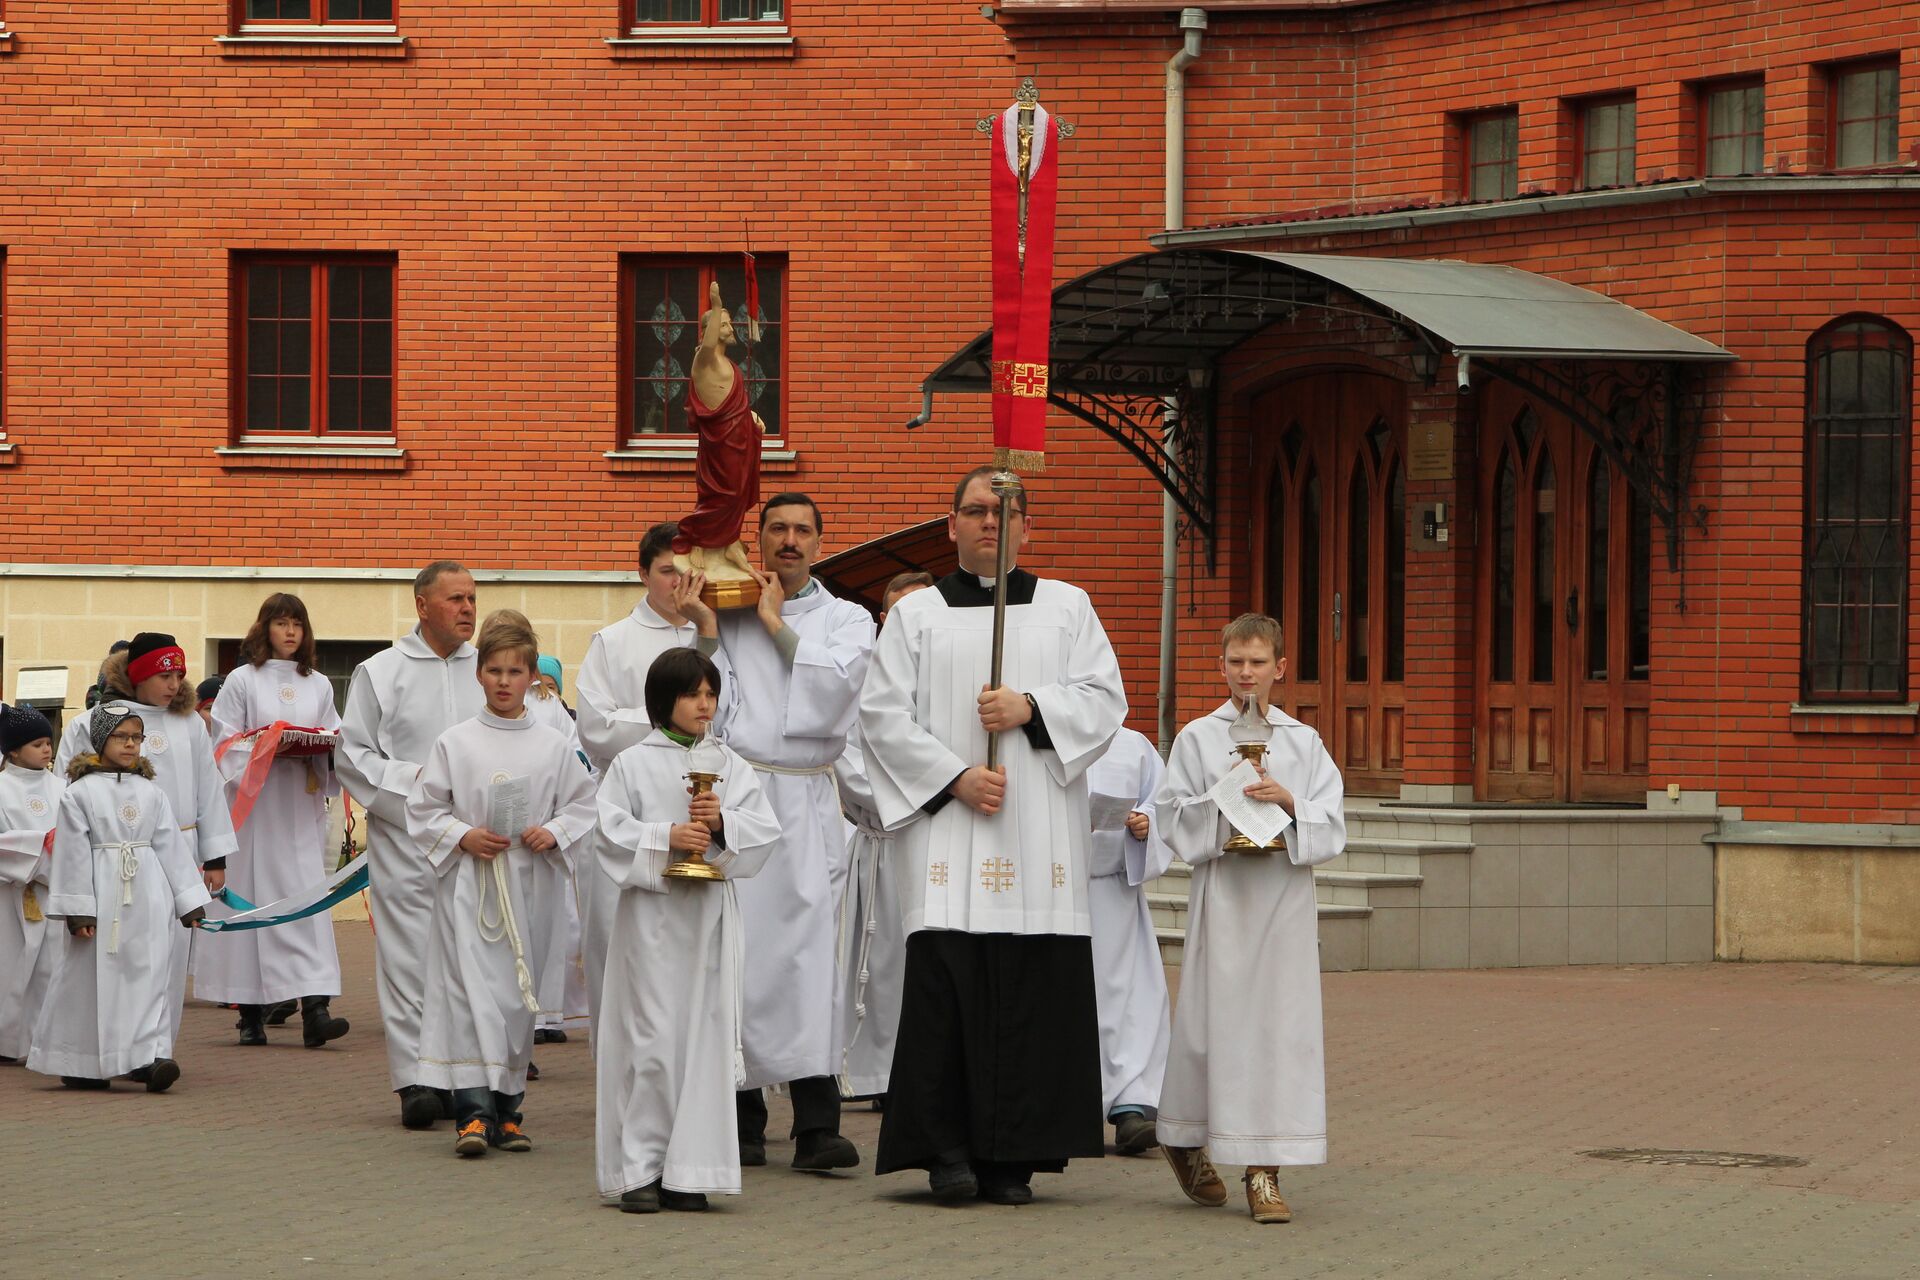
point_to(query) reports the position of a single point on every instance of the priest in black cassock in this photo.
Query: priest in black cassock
(997, 1064)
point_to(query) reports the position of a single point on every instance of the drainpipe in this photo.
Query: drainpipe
(1193, 23)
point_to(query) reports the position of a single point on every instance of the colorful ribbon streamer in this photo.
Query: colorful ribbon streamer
(336, 888)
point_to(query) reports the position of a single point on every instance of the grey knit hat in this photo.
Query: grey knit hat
(105, 719)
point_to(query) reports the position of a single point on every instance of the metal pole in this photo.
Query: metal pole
(1005, 486)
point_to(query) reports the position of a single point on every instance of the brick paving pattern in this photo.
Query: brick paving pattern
(1459, 1101)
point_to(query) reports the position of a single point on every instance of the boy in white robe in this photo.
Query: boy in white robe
(492, 935)
(282, 801)
(401, 700)
(667, 1045)
(121, 877)
(1246, 1078)
(1130, 983)
(150, 675)
(29, 801)
(611, 684)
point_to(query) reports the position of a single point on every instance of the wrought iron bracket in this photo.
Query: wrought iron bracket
(1643, 415)
(1171, 435)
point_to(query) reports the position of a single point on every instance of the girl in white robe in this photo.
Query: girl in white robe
(1246, 1077)
(1130, 983)
(667, 1043)
(493, 936)
(29, 800)
(563, 989)
(121, 879)
(283, 837)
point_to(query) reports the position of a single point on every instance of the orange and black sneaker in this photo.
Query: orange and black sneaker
(472, 1138)
(510, 1138)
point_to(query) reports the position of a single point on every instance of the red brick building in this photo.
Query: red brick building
(331, 287)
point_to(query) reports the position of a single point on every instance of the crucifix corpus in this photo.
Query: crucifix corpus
(1024, 159)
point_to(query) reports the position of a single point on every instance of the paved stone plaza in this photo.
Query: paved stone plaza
(1460, 1103)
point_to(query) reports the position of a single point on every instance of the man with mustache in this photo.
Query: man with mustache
(798, 659)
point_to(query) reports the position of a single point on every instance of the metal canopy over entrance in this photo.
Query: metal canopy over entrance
(1135, 343)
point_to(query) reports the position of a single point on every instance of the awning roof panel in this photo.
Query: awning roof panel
(1139, 323)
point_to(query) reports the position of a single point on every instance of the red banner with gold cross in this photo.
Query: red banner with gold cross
(1024, 185)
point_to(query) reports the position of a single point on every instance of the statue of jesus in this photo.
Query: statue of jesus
(726, 471)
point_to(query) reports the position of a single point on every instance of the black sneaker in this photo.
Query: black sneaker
(952, 1180)
(510, 1137)
(541, 1035)
(162, 1075)
(753, 1153)
(85, 1082)
(684, 1201)
(819, 1150)
(419, 1108)
(556, 1036)
(1133, 1134)
(641, 1199)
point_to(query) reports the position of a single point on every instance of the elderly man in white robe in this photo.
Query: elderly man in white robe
(1128, 976)
(400, 701)
(1246, 1078)
(612, 715)
(873, 941)
(798, 662)
(996, 1072)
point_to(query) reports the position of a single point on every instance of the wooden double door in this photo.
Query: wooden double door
(1563, 612)
(1331, 562)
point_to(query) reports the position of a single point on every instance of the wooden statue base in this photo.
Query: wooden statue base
(734, 593)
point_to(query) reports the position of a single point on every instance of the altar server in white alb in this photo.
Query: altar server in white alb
(280, 799)
(1128, 976)
(498, 805)
(798, 663)
(873, 937)
(400, 701)
(123, 883)
(996, 1071)
(613, 716)
(29, 799)
(667, 1047)
(1246, 1079)
(151, 677)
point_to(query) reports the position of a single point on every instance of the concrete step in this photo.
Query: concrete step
(1355, 888)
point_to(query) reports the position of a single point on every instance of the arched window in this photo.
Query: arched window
(1854, 578)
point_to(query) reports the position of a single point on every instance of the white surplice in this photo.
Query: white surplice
(29, 803)
(791, 724)
(283, 843)
(181, 753)
(612, 688)
(401, 700)
(667, 1042)
(476, 1030)
(1246, 1076)
(119, 857)
(1129, 981)
(1023, 870)
(565, 979)
(873, 936)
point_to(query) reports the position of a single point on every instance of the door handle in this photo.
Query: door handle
(1573, 609)
(1336, 617)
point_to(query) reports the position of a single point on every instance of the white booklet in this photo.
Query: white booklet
(509, 805)
(1260, 821)
(1109, 813)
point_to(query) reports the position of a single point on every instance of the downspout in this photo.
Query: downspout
(1193, 23)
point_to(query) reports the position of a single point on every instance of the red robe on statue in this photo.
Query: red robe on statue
(726, 471)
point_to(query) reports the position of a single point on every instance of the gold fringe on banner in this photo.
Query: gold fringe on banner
(30, 907)
(1025, 460)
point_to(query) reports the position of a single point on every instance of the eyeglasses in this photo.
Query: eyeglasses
(135, 738)
(980, 511)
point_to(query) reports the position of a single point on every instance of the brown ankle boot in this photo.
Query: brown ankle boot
(1263, 1196)
(1197, 1176)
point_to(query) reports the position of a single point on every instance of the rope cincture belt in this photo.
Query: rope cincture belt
(505, 926)
(128, 852)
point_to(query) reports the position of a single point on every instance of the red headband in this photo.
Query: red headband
(156, 662)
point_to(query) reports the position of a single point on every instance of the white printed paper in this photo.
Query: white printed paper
(1260, 821)
(1110, 813)
(508, 807)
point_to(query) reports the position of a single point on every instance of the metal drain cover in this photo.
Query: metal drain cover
(1710, 1159)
